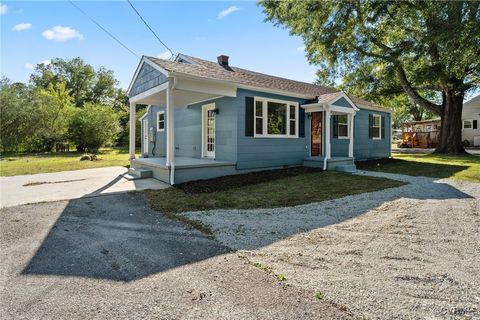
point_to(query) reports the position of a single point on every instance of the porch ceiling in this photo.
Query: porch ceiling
(186, 92)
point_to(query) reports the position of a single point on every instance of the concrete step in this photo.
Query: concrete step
(137, 173)
(350, 168)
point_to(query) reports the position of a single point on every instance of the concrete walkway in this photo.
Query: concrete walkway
(66, 185)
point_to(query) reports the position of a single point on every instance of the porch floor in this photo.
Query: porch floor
(182, 162)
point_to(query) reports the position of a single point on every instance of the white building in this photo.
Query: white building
(471, 121)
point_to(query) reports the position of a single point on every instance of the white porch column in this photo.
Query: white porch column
(133, 110)
(350, 128)
(328, 150)
(170, 126)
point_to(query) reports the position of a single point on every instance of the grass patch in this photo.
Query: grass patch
(28, 163)
(290, 191)
(465, 167)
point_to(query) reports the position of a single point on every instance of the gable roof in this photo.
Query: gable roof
(211, 70)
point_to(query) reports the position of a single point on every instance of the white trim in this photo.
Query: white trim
(131, 147)
(363, 107)
(351, 119)
(264, 117)
(328, 149)
(391, 134)
(149, 92)
(139, 67)
(204, 100)
(158, 120)
(181, 56)
(145, 135)
(205, 109)
(376, 115)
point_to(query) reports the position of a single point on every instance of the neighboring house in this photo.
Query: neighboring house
(471, 121)
(422, 126)
(208, 119)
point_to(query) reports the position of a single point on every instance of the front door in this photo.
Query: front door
(208, 127)
(316, 133)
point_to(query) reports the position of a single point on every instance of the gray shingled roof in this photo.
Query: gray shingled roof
(212, 70)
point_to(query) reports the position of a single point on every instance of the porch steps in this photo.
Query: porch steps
(350, 168)
(137, 173)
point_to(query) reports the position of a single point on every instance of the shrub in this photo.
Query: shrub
(93, 126)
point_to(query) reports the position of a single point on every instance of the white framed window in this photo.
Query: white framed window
(342, 126)
(161, 121)
(275, 118)
(377, 127)
(467, 124)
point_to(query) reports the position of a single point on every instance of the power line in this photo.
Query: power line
(105, 30)
(145, 22)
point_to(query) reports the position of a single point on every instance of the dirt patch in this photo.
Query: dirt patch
(376, 163)
(240, 180)
(37, 183)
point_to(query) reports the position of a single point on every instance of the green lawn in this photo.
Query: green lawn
(465, 167)
(17, 164)
(290, 191)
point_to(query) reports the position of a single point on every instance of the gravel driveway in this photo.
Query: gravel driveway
(110, 257)
(411, 252)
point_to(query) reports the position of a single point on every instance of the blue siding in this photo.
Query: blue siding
(251, 153)
(342, 102)
(267, 152)
(365, 148)
(148, 77)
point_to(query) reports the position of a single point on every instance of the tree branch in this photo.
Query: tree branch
(413, 94)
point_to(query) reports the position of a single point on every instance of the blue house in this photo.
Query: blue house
(207, 119)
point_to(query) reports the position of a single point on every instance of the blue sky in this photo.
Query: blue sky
(36, 31)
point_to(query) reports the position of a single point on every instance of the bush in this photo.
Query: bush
(93, 126)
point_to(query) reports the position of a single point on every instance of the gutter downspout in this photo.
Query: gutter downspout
(172, 163)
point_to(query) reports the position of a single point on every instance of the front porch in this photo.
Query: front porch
(184, 169)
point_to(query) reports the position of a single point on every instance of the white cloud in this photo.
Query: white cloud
(165, 55)
(60, 33)
(22, 26)
(28, 66)
(46, 62)
(227, 11)
(3, 9)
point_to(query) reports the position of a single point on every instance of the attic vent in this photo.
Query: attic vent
(223, 60)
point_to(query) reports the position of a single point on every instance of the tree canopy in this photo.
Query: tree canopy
(428, 46)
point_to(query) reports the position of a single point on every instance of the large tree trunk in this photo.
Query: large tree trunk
(451, 130)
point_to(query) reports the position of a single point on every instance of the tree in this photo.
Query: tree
(430, 45)
(93, 126)
(84, 83)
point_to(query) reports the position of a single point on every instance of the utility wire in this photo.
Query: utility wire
(148, 26)
(105, 30)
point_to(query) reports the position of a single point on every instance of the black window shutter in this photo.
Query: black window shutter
(383, 127)
(249, 116)
(474, 124)
(301, 124)
(370, 126)
(335, 126)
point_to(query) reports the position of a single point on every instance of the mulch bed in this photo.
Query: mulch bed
(240, 180)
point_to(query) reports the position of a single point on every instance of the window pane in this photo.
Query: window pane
(292, 112)
(292, 127)
(161, 116)
(467, 124)
(259, 126)
(376, 132)
(161, 125)
(258, 108)
(342, 130)
(376, 121)
(342, 118)
(277, 118)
